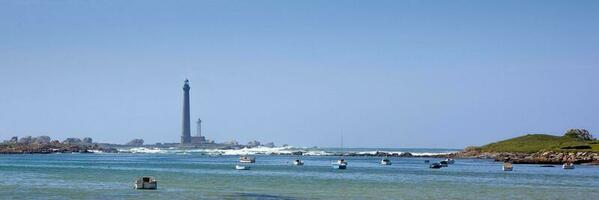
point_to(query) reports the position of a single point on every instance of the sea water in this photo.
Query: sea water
(184, 174)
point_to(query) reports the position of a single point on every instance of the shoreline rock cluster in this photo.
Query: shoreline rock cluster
(545, 157)
(44, 145)
(51, 148)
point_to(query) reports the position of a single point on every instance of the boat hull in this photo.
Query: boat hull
(145, 183)
(240, 167)
(566, 166)
(146, 186)
(386, 163)
(435, 166)
(336, 166)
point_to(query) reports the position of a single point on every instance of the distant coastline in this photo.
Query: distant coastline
(576, 146)
(43, 145)
(52, 148)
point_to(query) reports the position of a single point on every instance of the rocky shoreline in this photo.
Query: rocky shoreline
(545, 157)
(52, 148)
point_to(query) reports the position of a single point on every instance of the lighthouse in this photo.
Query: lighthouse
(186, 128)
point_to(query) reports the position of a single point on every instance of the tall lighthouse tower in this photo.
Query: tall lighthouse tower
(186, 129)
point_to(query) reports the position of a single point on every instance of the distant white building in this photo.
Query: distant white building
(198, 139)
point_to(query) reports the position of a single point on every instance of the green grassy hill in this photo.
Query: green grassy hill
(540, 142)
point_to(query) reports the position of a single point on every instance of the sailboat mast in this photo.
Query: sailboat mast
(341, 145)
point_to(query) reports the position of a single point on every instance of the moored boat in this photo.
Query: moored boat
(340, 164)
(385, 161)
(568, 165)
(242, 167)
(507, 166)
(298, 162)
(450, 161)
(247, 159)
(146, 183)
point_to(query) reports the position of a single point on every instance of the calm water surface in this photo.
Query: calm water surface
(189, 176)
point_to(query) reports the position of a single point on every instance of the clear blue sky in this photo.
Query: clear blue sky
(383, 73)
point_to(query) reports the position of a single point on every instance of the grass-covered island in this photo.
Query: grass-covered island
(576, 145)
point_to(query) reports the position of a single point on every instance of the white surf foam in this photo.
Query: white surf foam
(261, 150)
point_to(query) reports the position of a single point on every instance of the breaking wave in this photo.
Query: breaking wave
(287, 150)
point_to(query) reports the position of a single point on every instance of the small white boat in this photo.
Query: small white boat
(298, 162)
(450, 161)
(385, 161)
(340, 164)
(242, 167)
(247, 159)
(507, 167)
(146, 183)
(568, 165)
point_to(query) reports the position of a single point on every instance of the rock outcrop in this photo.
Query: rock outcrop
(42, 140)
(87, 140)
(35, 148)
(44, 144)
(72, 141)
(253, 143)
(136, 143)
(546, 157)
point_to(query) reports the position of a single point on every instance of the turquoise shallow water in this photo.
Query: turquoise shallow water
(189, 176)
